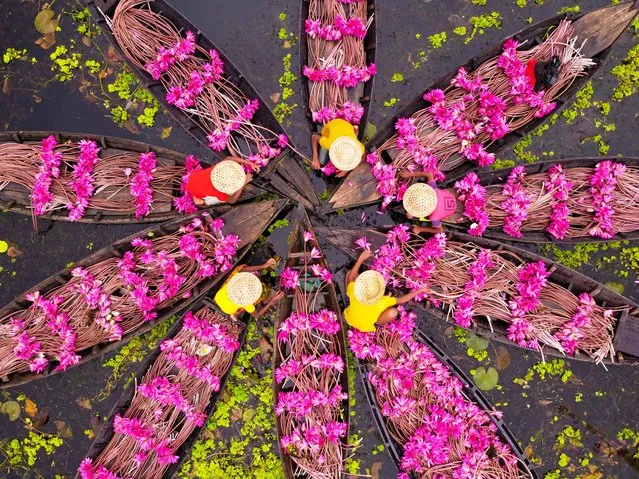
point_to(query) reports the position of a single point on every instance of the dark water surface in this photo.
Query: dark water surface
(597, 402)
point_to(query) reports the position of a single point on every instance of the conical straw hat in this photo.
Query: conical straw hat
(244, 289)
(345, 153)
(420, 200)
(228, 177)
(369, 287)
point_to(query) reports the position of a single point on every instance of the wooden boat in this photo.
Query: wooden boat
(363, 93)
(626, 334)
(107, 433)
(600, 28)
(247, 221)
(285, 174)
(498, 177)
(17, 198)
(395, 450)
(327, 300)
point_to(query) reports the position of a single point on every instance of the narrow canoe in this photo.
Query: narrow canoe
(327, 300)
(626, 332)
(107, 433)
(285, 174)
(395, 450)
(17, 197)
(247, 221)
(600, 28)
(496, 178)
(361, 95)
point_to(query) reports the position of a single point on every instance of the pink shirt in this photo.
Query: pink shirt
(446, 205)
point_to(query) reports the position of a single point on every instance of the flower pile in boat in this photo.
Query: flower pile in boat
(461, 121)
(82, 178)
(169, 406)
(48, 169)
(194, 81)
(336, 60)
(310, 372)
(114, 297)
(473, 283)
(473, 195)
(443, 434)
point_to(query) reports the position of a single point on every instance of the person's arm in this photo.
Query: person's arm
(242, 161)
(354, 272)
(410, 296)
(271, 302)
(417, 174)
(315, 138)
(198, 201)
(260, 267)
(428, 229)
(341, 174)
(236, 196)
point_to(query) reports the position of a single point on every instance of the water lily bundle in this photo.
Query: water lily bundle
(194, 82)
(75, 177)
(442, 432)
(500, 287)
(476, 110)
(310, 366)
(571, 203)
(335, 32)
(171, 401)
(110, 299)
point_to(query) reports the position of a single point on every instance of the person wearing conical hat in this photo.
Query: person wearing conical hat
(428, 201)
(243, 290)
(220, 183)
(339, 145)
(368, 305)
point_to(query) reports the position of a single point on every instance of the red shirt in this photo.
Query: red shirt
(530, 72)
(199, 185)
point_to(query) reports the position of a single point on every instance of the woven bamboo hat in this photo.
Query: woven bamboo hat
(345, 153)
(369, 287)
(420, 200)
(228, 177)
(244, 289)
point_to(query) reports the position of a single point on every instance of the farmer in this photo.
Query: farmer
(243, 290)
(221, 183)
(368, 305)
(426, 200)
(338, 144)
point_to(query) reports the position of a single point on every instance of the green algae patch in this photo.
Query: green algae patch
(551, 369)
(482, 22)
(437, 40)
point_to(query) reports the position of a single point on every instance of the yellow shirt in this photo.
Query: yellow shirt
(224, 302)
(364, 316)
(335, 129)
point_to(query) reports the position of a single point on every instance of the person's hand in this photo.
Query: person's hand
(198, 201)
(417, 229)
(254, 167)
(315, 164)
(406, 175)
(271, 262)
(249, 178)
(365, 255)
(341, 174)
(279, 296)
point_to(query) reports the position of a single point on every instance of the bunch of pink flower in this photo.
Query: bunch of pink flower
(478, 271)
(190, 363)
(167, 57)
(386, 179)
(82, 180)
(141, 184)
(290, 278)
(217, 259)
(88, 471)
(473, 195)
(41, 195)
(27, 348)
(517, 202)
(144, 437)
(323, 321)
(184, 203)
(426, 406)
(602, 189)
(214, 334)
(559, 187)
(347, 77)
(164, 392)
(184, 98)
(95, 297)
(573, 331)
(302, 403)
(351, 112)
(521, 88)
(532, 278)
(342, 27)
